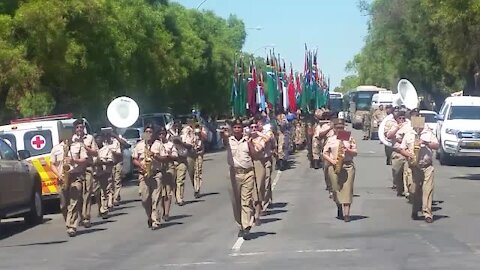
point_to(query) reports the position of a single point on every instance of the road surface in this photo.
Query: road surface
(299, 232)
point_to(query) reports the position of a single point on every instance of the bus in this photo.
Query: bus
(361, 102)
(335, 102)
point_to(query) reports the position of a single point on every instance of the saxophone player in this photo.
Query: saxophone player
(417, 146)
(150, 175)
(71, 192)
(338, 153)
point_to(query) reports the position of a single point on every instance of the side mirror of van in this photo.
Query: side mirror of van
(24, 154)
(440, 117)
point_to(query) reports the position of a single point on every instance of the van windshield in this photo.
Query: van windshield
(131, 134)
(465, 113)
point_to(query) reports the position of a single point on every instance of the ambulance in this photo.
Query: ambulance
(38, 135)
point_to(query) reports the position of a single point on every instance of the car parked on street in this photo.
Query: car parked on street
(20, 186)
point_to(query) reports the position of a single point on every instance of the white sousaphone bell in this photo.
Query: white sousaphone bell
(406, 96)
(123, 112)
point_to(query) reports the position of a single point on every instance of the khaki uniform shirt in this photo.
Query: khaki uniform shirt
(115, 148)
(156, 148)
(77, 151)
(331, 148)
(89, 142)
(105, 155)
(270, 145)
(238, 154)
(425, 156)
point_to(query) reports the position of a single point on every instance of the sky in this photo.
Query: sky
(336, 27)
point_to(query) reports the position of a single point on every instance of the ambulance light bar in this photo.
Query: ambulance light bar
(42, 118)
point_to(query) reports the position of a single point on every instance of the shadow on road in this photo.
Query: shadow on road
(255, 235)
(193, 201)
(269, 220)
(101, 222)
(438, 217)
(116, 214)
(436, 208)
(274, 212)
(473, 177)
(37, 244)
(277, 205)
(209, 194)
(179, 217)
(169, 224)
(10, 228)
(130, 201)
(354, 218)
(89, 230)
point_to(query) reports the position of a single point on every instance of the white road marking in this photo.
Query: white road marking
(295, 251)
(238, 244)
(188, 264)
(419, 237)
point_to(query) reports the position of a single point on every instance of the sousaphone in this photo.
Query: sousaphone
(123, 112)
(406, 96)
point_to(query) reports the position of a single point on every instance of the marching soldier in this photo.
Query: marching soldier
(367, 120)
(310, 130)
(168, 179)
(324, 133)
(146, 157)
(418, 146)
(242, 176)
(199, 150)
(388, 149)
(379, 115)
(69, 160)
(102, 173)
(92, 150)
(395, 133)
(339, 152)
(299, 126)
(114, 183)
(270, 144)
(174, 136)
(316, 144)
(282, 141)
(188, 140)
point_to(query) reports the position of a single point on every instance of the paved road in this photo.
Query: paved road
(300, 231)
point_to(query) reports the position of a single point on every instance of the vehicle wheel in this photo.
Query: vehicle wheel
(35, 216)
(444, 158)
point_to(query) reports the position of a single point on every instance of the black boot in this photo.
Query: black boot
(316, 164)
(281, 164)
(339, 211)
(312, 165)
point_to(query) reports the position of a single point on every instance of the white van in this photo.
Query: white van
(38, 135)
(458, 128)
(382, 98)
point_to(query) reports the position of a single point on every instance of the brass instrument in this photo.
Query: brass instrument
(413, 162)
(340, 157)
(147, 161)
(66, 166)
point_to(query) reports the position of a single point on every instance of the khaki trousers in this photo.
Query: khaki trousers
(316, 148)
(388, 152)
(191, 161)
(151, 189)
(100, 189)
(70, 202)
(87, 194)
(117, 181)
(407, 178)
(328, 182)
(181, 173)
(197, 174)
(342, 183)
(398, 163)
(168, 181)
(242, 188)
(423, 190)
(260, 175)
(268, 180)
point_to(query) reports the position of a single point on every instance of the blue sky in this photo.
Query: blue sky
(336, 27)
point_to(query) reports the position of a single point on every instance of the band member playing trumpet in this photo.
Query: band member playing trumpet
(150, 175)
(69, 160)
(92, 151)
(418, 146)
(242, 179)
(339, 151)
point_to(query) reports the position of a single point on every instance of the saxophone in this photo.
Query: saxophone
(340, 157)
(66, 167)
(147, 161)
(413, 162)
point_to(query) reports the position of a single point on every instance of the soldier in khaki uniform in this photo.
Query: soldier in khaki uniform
(199, 151)
(282, 143)
(388, 149)
(242, 179)
(421, 164)
(150, 177)
(316, 143)
(174, 136)
(189, 141)
(270, 144)
(395, 133)
(116, 182)
(342, 180)
(92, 151)
(169, 178)
(299, 136)
(324, 133)
(71, 192)
(102, 172)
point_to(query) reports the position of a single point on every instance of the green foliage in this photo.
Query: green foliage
(433, 43)
(78, 55)
(348, 83)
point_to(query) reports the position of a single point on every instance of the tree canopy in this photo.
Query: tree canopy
(433, 43)
(60, 56)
